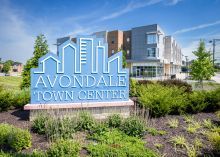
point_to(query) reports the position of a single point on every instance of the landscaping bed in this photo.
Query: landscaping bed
(19, 118)
(163, 144)
(158, 136)
(169, 119)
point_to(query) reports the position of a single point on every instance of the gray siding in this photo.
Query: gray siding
(139, 41)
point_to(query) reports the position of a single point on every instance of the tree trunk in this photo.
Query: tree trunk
(201, 82)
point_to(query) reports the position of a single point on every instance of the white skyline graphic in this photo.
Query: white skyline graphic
(81, 57)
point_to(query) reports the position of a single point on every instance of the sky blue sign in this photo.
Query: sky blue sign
(80, 72)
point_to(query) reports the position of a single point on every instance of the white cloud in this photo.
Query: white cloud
(187, 51)
(75, 18)
(17, 34)
(16, 42)
(173, 2)
(133, 5)
(129, 7)
(197, 27)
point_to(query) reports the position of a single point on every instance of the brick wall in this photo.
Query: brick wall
(115, 42)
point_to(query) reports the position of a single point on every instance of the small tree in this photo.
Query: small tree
(7, 66)
(40, 49)
(124, 62)
(202, 68)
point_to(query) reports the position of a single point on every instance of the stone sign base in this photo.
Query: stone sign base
(99, 110)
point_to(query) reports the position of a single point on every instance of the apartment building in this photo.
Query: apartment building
(15, 69)
(149, 52)
(173, 55)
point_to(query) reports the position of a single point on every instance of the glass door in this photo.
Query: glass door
(138, 72)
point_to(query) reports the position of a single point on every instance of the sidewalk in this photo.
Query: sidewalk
(216, 78)
(181, 76)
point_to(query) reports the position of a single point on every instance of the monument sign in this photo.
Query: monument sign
(81, 72)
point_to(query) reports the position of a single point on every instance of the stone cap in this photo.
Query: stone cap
(78, 105)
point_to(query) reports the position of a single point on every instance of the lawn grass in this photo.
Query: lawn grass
(206, 85)
(10, 82)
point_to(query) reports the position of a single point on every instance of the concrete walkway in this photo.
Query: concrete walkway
(181, 76)
(216, 78)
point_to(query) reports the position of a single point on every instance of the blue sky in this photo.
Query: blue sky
(22, 20)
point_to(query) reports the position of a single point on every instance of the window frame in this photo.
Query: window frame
(155, 52)
(152, 40)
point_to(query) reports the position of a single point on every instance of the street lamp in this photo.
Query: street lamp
(213, 51)
(57, 44)
(187, 66)
(186, 63)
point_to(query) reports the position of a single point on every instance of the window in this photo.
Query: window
(128, 52)
(151, 52)
(151, 38)
(113, 40)
(113, 51)
(145, 71)
(128, 39)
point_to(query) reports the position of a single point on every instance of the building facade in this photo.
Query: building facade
(173, 55)
(149, 52)
(15, 69)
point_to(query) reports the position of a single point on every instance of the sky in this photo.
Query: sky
(21, 21)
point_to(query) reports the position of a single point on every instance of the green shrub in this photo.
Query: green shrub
(214, 138)
(162, 100)
(204, 101)
(99, 128)
(133, 126)
(115, 143)
(4, 154)
(19, 139)
(154, 131)
(178, 83)
(145, 82)
(114, 121)
(133, 88)
(173, 123)
(56, 128)
(64, 148)
(21, 98)
(193, 127)
(218, 113)
(5, 100)
(197, 102)
(103, 150)
(1, 88)
(35, 153)
(38, 125)
(207, 123)
(16, 99)
(15, 138)
(85, 121)
(5, 129)
(213, 100)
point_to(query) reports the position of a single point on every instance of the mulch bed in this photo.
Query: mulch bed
(19, 118)
(168, 148)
